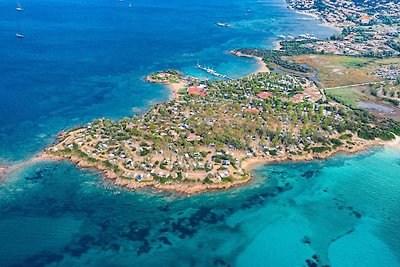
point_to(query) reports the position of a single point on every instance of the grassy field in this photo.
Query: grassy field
(344, 70)
(349, 96)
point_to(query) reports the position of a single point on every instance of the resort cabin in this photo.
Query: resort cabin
(265, 95)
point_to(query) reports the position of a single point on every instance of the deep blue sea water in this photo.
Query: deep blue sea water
(82, 60)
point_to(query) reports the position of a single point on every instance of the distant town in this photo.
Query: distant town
(368, 28)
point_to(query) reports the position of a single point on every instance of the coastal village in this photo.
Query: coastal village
(212, 132)
(368, 28)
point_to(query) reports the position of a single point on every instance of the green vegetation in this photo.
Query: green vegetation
(337, 70)
(207, 180)
(346, 96)
(394, 102)
(393, 44)
(345, 136)
(274, 58)
(209, 136)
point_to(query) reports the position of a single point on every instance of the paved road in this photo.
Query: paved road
(353, 85)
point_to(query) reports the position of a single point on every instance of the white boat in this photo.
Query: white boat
(130, 4)
(19, 34)
(224, 25)
(19, 7)
(306, 19)
(308, 36)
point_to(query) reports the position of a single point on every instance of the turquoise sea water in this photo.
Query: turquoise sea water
(342, 211)
(82, 60)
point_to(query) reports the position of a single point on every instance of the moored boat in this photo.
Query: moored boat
(19, 7)
(19, 33)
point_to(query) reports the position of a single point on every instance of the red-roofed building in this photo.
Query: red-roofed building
(252, 110)
(197, 90)
(365, 19)
(265, 95)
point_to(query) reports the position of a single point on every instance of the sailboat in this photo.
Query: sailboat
(19, 7)
(19, 34)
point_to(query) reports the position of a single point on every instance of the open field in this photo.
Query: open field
(344, 70)
(360, 97)
(351, 81)
(349, 96)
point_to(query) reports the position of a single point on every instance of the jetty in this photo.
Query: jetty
(213, 72)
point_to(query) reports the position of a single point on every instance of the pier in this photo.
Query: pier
(213, 72)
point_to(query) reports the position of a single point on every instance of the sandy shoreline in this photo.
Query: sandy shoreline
(394, 143)
(331, 26)
(262, 65)
(323, 24)
(277, 45)
(175, 88)
(249, 164)
(313, 15)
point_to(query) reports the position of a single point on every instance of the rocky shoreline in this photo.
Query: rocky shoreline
(192, 188)
(189, 188)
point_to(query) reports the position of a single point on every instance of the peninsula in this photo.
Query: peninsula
(210, 134)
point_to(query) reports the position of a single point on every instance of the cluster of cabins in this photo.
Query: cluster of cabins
(349, 46)
(349, 12)
(391, 72)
